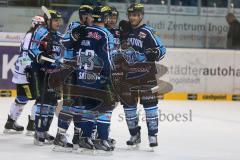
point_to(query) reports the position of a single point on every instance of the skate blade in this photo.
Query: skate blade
(47, 142)
(11, 131)
(29, 133)
(37, 143)
(133, 147)
(57, 148)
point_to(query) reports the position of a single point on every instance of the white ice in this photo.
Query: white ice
(212, 133)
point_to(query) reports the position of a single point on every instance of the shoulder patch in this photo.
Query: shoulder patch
(142, 35)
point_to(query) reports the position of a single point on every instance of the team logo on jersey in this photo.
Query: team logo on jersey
(135, 42)
(94, 35)
(142, 35)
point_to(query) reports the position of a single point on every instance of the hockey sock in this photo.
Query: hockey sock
(65, 117)
(41, 120)
(86, 127)
(152, 120)
(103, 124)
(17, 107)
(132, 119)
(33, 111)
(50, 116)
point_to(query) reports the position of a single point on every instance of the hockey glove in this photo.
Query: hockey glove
(79, 32)
(152, 54)
(125, 28)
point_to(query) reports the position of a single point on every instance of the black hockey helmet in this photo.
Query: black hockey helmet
(85, 9)
(100, 13)
(136, 7)
(114, 11)
(54, 15)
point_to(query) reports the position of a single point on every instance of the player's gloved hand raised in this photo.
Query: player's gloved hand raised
(79, 32)
(125, 28)
(152, 54)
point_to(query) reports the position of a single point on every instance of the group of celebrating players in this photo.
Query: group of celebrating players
(103, 63)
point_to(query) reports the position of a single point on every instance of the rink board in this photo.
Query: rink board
(196, 74)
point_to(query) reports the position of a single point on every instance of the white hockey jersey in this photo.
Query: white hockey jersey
(19, 75)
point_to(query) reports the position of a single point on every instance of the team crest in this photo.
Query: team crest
(142, 35)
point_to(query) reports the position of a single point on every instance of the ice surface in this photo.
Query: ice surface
(211, 131)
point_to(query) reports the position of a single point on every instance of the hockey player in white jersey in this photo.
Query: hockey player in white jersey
(23, 85)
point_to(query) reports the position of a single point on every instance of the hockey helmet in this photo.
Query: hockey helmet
(37, 20)
(54, 15)
(100, 13)
(136, 7)
(114, 11)
(85, 9)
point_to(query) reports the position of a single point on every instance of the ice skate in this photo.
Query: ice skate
(30, 127)
(61, 143)
(135, 140)
(48, 138)
(103, 147)
(153, 143)
(39, 138)
(76, 136)
(86, 146)
(11, 127)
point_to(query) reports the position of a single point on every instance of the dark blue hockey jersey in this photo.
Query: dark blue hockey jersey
(116, 35)
(142, 38)
(94, 59)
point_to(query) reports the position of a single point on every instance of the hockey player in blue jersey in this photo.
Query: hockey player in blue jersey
(94, 72)
(146, 47)
(70, 111)
(45, 44)
(111, 26)
(23, 85)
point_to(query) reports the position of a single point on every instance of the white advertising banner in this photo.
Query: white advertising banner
(185, 30)
(11, 37)
(190, 31)
(203, 70)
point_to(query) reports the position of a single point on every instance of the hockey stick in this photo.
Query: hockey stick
(45, 10)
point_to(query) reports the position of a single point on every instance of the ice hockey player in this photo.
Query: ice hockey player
(45, 44)
(111, 26)
(148, 49)
(93, 72)
(24, 88)
(69, 112)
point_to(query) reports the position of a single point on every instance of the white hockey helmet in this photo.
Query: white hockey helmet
(37, 20)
